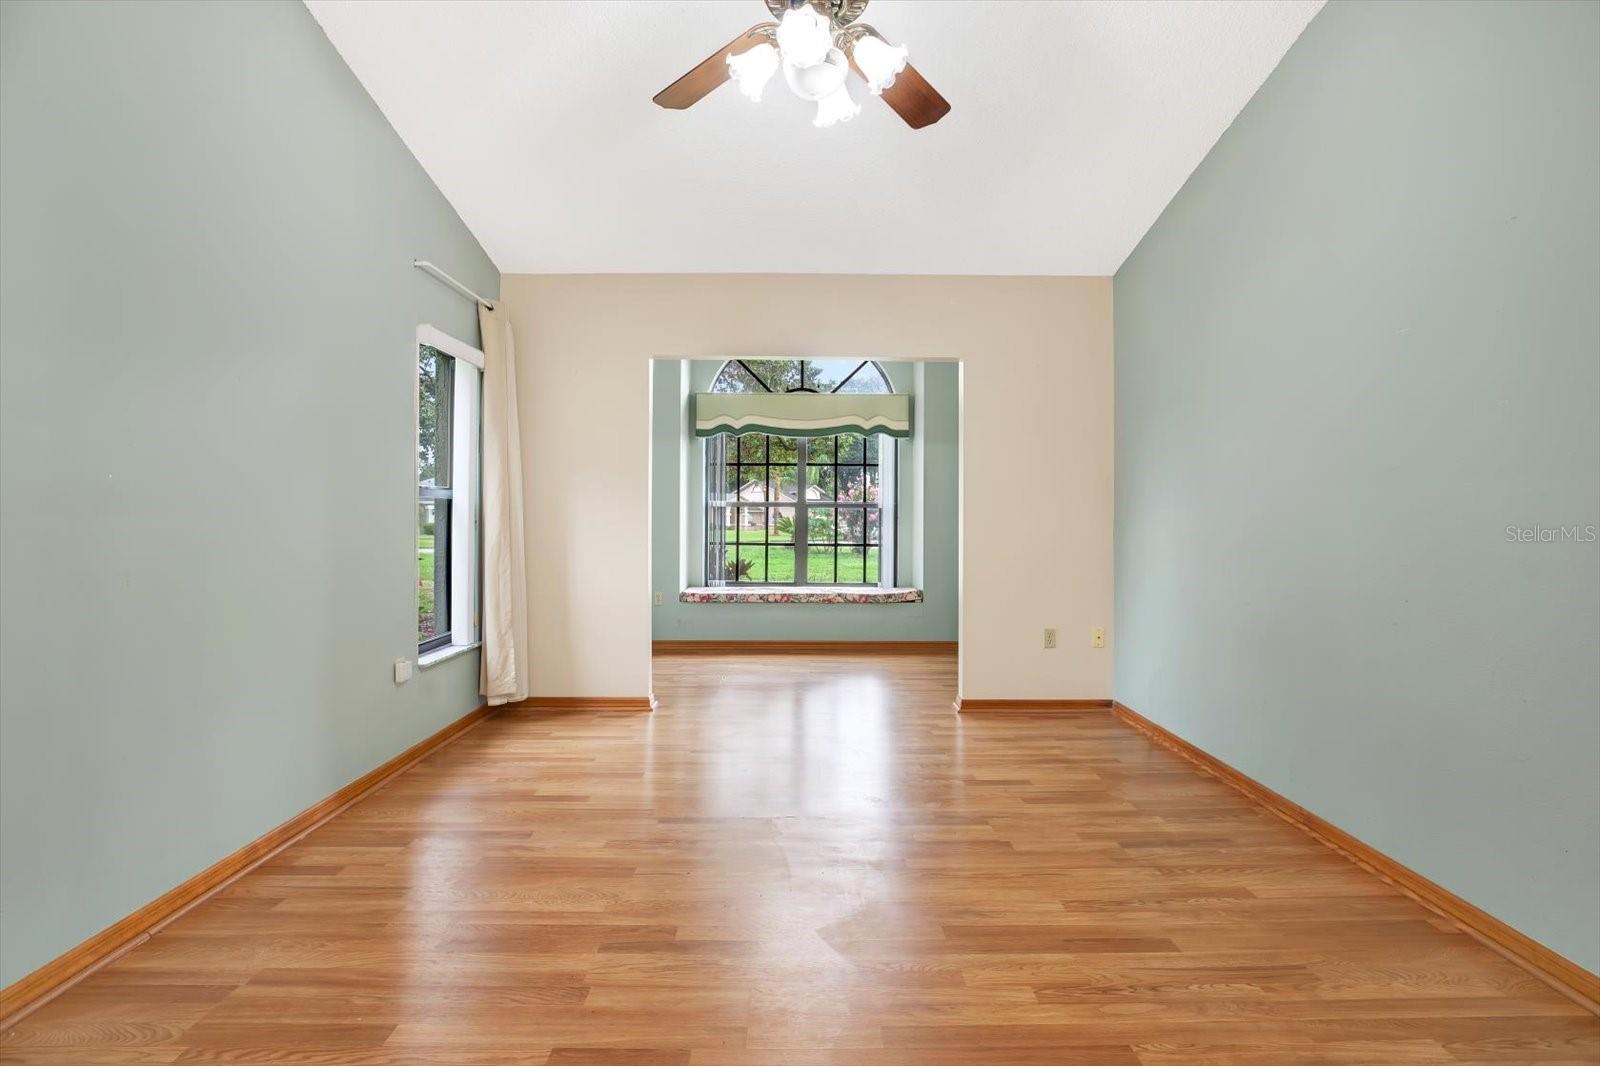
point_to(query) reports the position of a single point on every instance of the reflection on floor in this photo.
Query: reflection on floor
(802, 861)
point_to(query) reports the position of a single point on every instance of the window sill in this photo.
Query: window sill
(445, 654)
(851, 594)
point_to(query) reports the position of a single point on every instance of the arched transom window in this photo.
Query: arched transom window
(800, 511)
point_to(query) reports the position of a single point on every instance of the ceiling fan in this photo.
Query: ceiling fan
(817, 43)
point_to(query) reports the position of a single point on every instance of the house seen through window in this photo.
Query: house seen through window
(800, 511)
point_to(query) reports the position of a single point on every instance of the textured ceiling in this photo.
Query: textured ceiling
(1073, 125)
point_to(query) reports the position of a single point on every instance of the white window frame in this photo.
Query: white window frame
(888, 510)
(465, 473)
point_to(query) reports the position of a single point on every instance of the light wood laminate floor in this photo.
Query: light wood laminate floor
(807, 860)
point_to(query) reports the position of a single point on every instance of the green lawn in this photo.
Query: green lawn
(774, 562)
(425, 584)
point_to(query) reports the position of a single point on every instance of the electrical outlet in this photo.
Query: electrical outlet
(1049, 638)
(1097, 637)
(659, 599)
(402, 671)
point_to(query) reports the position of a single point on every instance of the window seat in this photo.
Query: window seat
(798, 594)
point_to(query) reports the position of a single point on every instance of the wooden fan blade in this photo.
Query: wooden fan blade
(914, 100)
(695, 85)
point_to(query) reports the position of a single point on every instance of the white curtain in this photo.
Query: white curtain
(503, 674)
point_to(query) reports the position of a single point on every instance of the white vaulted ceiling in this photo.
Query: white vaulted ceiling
(1073, 124)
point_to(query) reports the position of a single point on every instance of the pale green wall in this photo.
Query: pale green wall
(929, 521)
(206, 445)
(1361, 342)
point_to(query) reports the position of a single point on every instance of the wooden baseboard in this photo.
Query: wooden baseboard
(1559, 972)
(587, 703)
(803, 647)
(56, 976)
(1030, 706)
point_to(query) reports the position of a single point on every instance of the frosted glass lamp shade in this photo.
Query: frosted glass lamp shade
(820, 80)
(879, 62)
(753, 68)
(804, 36)
(836, 107)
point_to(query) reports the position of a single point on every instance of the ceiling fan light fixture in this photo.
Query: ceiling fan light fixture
(817, 44)
(753, 68)
(820, 80)
(804, 36)
(836, 107)
(879, 61)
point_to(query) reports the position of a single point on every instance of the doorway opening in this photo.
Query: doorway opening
(806, 504)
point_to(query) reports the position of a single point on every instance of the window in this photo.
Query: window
(448, 391)
(800, 511)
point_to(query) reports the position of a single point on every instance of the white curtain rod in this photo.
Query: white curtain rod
(428, 268)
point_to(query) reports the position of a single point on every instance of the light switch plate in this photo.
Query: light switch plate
(402, 671)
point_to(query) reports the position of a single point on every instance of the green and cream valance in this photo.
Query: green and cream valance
(801, 414)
